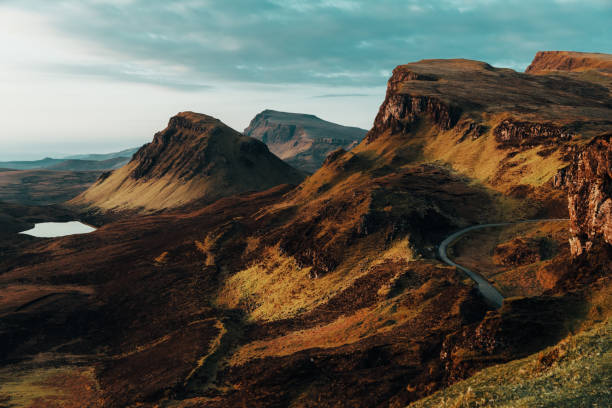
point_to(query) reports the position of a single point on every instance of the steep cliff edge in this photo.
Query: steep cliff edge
(589, 183)
(507, 130)
(196, 157)
(303, 141)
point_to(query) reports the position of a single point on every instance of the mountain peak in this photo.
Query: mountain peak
(192, 120)
(196, 157)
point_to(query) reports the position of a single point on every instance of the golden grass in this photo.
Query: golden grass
(577, 372)
(274, 288)
(162, 258)
(64, 386)
(345, 330)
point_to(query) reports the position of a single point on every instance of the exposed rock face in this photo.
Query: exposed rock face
(547, 61)
(511, 133)
(196, 157)
(589, 183)
(400, 110)
(302, 140)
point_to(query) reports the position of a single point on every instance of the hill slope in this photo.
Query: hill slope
(304, 141)
(195, 157)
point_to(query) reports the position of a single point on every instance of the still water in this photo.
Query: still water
(58, 229)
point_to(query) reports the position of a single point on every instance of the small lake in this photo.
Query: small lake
(58, 229)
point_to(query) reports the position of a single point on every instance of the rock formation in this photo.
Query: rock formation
(196, 157)
(302, 140)
(589, 182)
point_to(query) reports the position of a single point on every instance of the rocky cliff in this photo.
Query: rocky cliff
(569, 61)
(196, 157)
(589, 182)
(302, 140)
(508, 130)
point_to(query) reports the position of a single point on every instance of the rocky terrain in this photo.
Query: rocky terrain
(589, 181)
(327, 292)
(196, 157)
(303, 141)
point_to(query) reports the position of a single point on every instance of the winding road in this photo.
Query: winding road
(487, 290)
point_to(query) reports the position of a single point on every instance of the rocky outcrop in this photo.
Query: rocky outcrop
(304, 141)
(589, 183)
(400, 110)
(512, 332)
(547, 61)
(515, 133)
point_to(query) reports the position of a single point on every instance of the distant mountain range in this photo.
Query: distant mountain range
(82, 162)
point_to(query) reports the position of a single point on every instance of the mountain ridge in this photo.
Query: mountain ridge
(302, 140)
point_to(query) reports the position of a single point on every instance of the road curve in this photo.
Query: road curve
(487, 290)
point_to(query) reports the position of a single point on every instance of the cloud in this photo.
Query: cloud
(325, 42)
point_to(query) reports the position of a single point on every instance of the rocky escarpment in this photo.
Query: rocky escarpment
(196, 157)
(513, 133)
(400, 110)
(304, 141)
(589, 183)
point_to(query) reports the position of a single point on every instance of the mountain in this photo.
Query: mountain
(92, 162)
(104, 156)
(570, 61)
(332, 292)
(196, 157)
(89, 165)
(303, 141)
(29, 165)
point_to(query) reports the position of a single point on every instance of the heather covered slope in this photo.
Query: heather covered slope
(304, 141)
(195, 158)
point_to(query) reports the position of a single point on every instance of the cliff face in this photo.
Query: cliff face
(303, 141)
(400, 110)
(589, 182)
(550, 61)
(508, 130)
(196, 157)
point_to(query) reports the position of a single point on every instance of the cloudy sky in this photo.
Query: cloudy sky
(102, 75)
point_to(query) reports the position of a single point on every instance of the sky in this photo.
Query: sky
(94, 76)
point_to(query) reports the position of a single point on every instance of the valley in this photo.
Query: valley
(221, 276)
